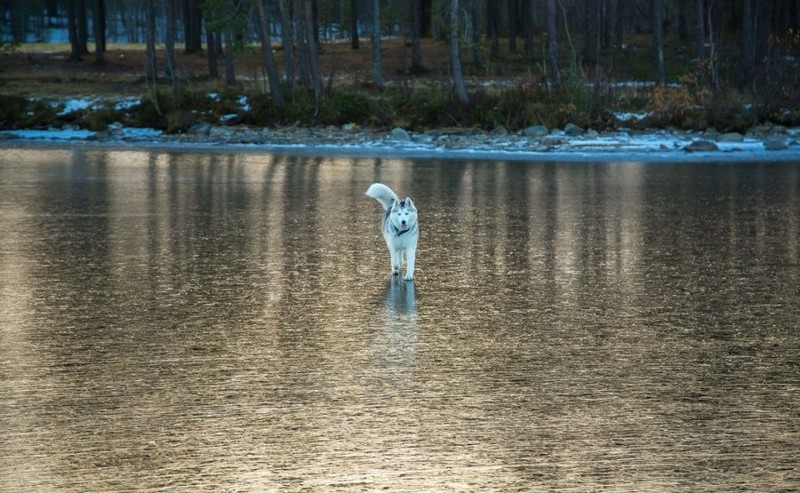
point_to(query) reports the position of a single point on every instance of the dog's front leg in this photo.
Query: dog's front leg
(411, 255)
(397, 257)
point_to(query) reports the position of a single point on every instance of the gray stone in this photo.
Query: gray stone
(572, 130)
(218, 132)
(536, 131)
(201, 128)
(775, 144)
(116, 129)
(400, 134)
(554, 140)
(500, 130)
(701, 146)
(730, 137)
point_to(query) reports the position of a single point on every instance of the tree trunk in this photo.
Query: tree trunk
(416, 26)
(169, 40)
(212, 50)
(513, 14)
(716, 21)
(287, 41)
(493, 28)
(82, 27)
(527, 22)
(477, 47)
(313, 59)
(699, 29)
(747, 40)
(301, 47)
(426, 9)
(72, 27)
(552, 44)
(683, 21)
(619, 27)
(99, 31)
(377, 75)
(455, 55)
(192, 26)
(150, 41)
(591, 28)
(354, 42)
(271, 67)
(657, 17)
(230, 74)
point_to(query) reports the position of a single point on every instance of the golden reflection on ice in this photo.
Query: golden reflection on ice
(225, 321)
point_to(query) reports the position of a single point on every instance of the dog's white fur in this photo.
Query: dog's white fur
(399, 227)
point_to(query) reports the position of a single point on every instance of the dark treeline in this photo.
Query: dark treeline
(741, 38)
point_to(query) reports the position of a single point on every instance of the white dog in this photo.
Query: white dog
(399, 227)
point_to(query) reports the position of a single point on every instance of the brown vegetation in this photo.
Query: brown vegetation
(508, 91)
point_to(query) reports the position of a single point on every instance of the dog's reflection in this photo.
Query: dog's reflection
(400, 322)
(401, 298)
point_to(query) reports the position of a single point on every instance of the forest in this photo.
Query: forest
(723, 63)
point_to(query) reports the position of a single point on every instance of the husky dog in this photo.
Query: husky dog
(399, 227)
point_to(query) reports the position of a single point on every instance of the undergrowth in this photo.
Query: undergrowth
(691, 104)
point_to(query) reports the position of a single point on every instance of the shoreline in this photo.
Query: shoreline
(773, 145)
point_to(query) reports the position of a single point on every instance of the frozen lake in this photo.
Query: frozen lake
(179, 321)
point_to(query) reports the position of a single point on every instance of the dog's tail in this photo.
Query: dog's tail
(382, 194)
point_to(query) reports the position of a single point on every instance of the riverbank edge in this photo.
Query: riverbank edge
(534, 144)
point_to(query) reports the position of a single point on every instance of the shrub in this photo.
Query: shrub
(13, 110)
(342, 107)
(150, 112)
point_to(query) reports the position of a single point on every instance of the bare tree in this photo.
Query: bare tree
(455, 55)
(493, 28)
(271, 67)
(227, 39)
(99, 30)
(82, 26)
(475, 24)
(416, 27)
(192, 26)
(591, 32)
(224, 18)
(700, 29)
(619, 26)
(552, 44)
(747, 44)
(150, 41)
(311, 51)
(72, 28)
(513, 14)
(528, 28)
(169, 40)
(354, 41)
(287, 41)
(77, 28)
(657, 18)
(212, 50)
(377, 73)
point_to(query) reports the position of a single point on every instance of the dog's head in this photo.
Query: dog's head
(403, 215)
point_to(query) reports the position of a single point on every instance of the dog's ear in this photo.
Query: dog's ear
(410, 204)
